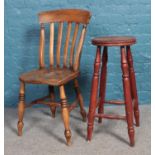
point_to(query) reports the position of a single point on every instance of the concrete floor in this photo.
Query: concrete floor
(43, 135)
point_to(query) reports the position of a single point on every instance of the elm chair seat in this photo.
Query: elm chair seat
(54, 77)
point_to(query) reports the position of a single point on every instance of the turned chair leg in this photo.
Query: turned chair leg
(103, 83)
(133, 85)
(52, 96)
(80, 99)
(93, 97)
(127, 95)
(65, 114)
(21, 108)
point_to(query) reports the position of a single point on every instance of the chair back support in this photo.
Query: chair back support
(71, 17)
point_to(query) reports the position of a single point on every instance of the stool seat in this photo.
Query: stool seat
(114, 41)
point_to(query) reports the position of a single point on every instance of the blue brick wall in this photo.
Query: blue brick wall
(116, 17)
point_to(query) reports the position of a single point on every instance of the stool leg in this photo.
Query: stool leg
(93, 97)
(51, 92)
(103, 83)
(21, 108)
(133, 85)
(127, 95)
(80, 99)
(65, 114)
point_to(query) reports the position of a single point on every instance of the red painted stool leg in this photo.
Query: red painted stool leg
(103, 83)
(133, 85)
(94, 92)
(127, 95)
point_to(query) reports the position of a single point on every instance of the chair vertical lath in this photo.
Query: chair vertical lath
(60, 29)
(67, 44)
(51, 46)
(42, 46)
(73, 44)
(79, 49)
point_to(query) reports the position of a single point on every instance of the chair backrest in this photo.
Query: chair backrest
(69, 16)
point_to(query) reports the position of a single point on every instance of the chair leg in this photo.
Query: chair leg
(103, 83)
(127, 95)
(21, 108)
(65, 114)
(93, 97)
(52, 96)
(80, 99)
(133, 86)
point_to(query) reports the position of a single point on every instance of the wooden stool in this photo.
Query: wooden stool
(129, 84)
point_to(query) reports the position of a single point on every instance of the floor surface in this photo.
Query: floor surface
(43, 135)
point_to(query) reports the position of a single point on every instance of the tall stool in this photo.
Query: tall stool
(129, 84)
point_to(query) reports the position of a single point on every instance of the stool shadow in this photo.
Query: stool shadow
(107, 130)
(81, 134)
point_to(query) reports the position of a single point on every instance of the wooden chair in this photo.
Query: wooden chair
(58, 74)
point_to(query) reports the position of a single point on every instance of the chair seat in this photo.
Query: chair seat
(114, 41)
(53, 77)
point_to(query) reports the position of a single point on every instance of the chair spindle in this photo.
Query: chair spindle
(73, 44)
(60, 29)
(51, 46)
(42, 45)
(67, 44)
(79, 49)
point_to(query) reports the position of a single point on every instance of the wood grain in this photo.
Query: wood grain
(73, 44)
(60, 29)
(51, 46)
(65, 15)
(67, 44)
(65, 114)
(42, 46)
(79, 50)
(114, 41)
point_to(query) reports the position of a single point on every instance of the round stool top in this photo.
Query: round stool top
(114, 41)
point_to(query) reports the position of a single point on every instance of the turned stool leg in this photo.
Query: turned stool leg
(65, 114)
(127, 95)
(51, 92)
(21, 108)
(80, 99)
(133, 85)
(93, 97)
(103, 83)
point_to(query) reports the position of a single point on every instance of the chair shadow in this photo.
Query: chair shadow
(8, 121)
(11, 127)
(48, 113)
(51, 133)
(76, 129)
(76, 117)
